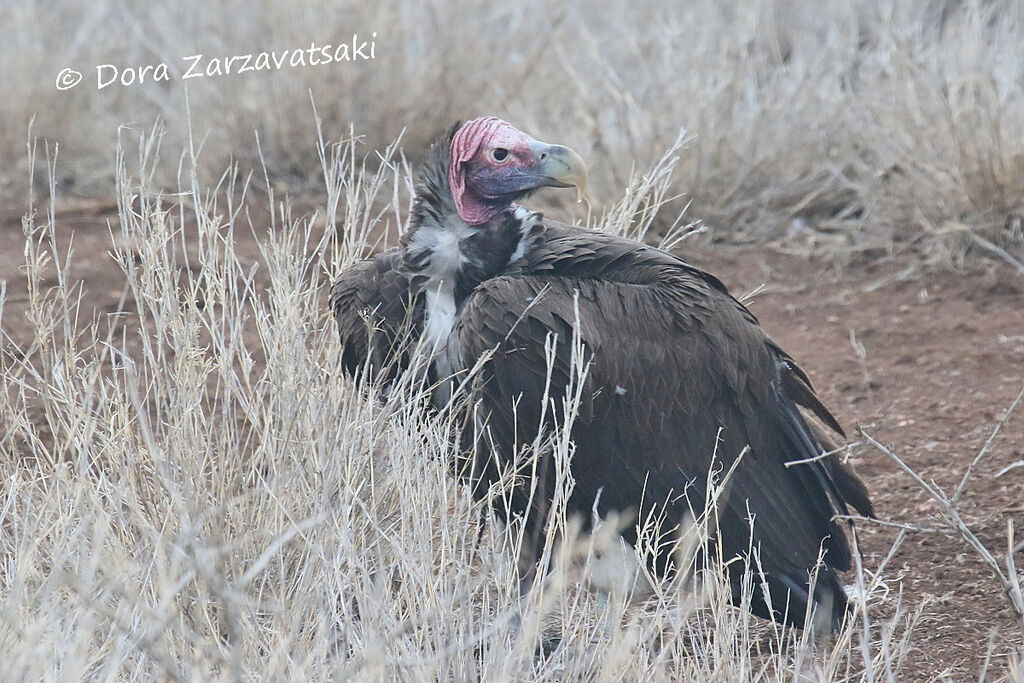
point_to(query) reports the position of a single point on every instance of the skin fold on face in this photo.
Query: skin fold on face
(493, 164)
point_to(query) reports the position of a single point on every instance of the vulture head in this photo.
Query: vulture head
(493, 165)
(465, 226)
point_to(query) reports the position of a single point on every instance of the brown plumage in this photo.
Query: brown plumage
(681, 372)
(376, 313)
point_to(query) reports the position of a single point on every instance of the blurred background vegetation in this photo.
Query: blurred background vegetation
(870, 125)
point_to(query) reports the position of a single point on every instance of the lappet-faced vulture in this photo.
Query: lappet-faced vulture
(681, 376)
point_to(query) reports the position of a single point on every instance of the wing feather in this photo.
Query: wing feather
(680, 371)
(377, 315)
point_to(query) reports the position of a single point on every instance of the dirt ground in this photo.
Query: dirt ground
(926, 361)
(939, 357)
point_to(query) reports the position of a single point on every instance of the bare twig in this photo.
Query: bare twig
(896, 525)
(1008, 468)
(749, 296)
(986, 448)
(827, 454)
(1011, 567)
(950, 514)
(998, 251)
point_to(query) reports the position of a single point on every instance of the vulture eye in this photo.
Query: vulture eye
(499, 154)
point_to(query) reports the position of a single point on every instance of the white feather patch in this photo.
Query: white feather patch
(441, 270)
(440, 315)
(527, 220)
(616, 569)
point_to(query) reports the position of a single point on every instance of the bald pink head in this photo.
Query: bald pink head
(493, 164)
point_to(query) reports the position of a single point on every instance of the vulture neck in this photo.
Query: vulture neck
(446, 258)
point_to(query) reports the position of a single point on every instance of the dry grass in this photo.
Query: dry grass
(868, 123)
(191, 490)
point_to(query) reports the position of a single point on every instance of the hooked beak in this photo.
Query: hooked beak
(559, 166)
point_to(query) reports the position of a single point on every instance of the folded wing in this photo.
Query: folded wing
(680, 375)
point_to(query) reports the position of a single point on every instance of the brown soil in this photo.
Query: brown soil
(941, 358)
